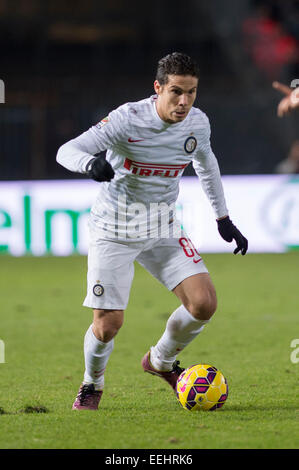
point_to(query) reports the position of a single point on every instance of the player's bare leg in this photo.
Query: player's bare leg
(197, 294)
(98, 345)
(106, 323)
(199, 302)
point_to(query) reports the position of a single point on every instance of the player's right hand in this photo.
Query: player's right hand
(99, 169)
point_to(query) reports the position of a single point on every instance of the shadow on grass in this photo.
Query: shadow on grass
(174, 407)
(34, 409)
(267, 408)
(27, 410)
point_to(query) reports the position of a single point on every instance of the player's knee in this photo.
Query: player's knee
(105, 333)
(106, 324)
(204, 306)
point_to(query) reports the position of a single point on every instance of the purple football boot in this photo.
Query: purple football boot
(171, 376)
(88, 398)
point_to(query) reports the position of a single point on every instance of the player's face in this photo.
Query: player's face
(176, 97)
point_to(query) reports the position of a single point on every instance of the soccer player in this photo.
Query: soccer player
(148, 143)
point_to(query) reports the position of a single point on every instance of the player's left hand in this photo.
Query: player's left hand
(229, 232)
(289, 102)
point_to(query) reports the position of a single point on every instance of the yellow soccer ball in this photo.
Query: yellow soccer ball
(201, 387)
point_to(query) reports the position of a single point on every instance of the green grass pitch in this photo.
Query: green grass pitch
(249, 340)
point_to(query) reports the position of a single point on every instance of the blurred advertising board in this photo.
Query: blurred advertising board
(51, 217)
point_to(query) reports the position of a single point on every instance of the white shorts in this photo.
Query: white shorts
(111, 267)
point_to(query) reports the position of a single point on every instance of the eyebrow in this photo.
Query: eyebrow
(180, 89)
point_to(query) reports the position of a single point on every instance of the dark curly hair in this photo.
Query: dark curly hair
(176, 63)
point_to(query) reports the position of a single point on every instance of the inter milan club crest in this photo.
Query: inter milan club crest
(98, 290)
(190, 144)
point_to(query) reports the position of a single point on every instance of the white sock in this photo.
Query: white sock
(181, 329)
(96, 354)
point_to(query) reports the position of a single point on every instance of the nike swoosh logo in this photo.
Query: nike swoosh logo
(132, 140)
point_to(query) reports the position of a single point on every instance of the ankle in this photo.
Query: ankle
(159, 363)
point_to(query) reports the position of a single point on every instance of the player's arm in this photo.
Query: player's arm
(290, 100)
(80, 155)
(207, 169)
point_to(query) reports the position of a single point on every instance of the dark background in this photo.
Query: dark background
(66, 64)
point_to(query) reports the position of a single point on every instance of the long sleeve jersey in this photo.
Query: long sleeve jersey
(148, 156)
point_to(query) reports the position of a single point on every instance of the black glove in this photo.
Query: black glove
(99, 169)
(228, 231)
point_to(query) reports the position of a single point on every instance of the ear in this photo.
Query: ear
(157, 87)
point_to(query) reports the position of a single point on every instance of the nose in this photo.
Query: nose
(183, 101)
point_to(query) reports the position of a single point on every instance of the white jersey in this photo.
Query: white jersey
(148, 156)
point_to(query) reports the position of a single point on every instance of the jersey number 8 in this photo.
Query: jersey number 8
(189, 249)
